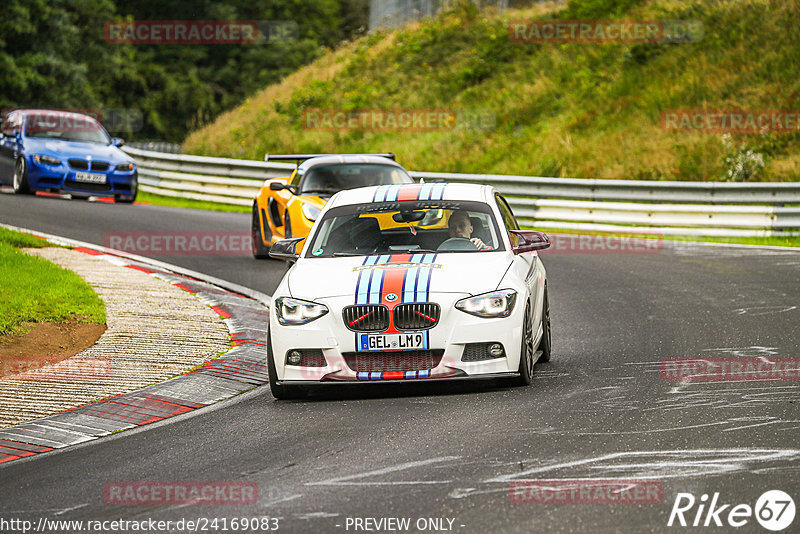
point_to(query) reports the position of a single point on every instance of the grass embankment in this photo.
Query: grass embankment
(573, 109)
(33, 289)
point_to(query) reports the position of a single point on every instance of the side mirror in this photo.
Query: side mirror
(284, 249)
(117, 141)
(530, 240)
(279, 186)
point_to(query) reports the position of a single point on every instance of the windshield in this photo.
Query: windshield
(406, 227)
(65, 126)
(333, 178)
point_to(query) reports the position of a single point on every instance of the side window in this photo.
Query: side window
(508, 219)
(8, 124)
(294, 179)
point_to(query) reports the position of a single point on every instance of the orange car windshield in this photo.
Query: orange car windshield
(331, 179)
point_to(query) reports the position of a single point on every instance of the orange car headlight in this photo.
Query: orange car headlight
(311, 212)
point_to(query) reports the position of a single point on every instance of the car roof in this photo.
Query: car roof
(27, 112)
(345, 159)
(416, 191)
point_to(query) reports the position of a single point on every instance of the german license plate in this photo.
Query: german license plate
(385, 342)
(90, 178)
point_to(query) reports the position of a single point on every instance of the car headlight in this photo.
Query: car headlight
(125, 167)
(494, 304)
(295, 311)
(46, 160)
(311, 212)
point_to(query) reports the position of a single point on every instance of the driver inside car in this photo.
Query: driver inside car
(460, 225)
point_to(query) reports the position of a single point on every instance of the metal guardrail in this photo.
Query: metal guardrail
(675, 208)
(155, 146)
(228, 181)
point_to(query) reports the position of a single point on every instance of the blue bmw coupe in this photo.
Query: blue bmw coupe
(64, 152)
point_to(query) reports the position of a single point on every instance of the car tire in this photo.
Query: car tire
(19, 180)
(260, 251)
(279, 391)
(526, 352)
(546, 343)
(128, 199)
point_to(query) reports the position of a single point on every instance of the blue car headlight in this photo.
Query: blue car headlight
(46, 160)
(295, 311)
(126, 167)
(494, 304)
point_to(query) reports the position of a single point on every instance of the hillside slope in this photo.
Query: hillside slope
(572, 109)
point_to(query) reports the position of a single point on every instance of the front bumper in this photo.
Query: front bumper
(453, 332)
(61, 179)
(486, 376)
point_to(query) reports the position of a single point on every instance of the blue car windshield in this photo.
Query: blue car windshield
(65, 126)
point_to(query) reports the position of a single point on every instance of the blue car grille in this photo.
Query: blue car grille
(79, 164)
(85, 165)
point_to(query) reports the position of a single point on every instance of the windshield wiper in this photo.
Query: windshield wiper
(339, 254)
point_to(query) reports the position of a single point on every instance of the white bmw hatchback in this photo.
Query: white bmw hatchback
(412, 282)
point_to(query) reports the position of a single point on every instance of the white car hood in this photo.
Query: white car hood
(473, 273)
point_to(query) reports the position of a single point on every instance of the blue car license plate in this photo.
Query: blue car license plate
(90, 178)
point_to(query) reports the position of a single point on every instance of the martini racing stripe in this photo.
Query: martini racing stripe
(410, 192)
(432, 192)
(417, 281)
(401, 192)
(393, 375)
(409, 282)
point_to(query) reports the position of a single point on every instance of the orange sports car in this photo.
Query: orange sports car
(288, 207)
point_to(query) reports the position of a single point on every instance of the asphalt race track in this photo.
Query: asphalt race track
(601, 410)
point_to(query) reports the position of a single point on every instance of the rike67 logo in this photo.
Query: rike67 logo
(774, 510)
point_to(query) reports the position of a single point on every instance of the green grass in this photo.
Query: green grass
(560, 109)
(159, 200)
(33, 289)
(19, 239)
